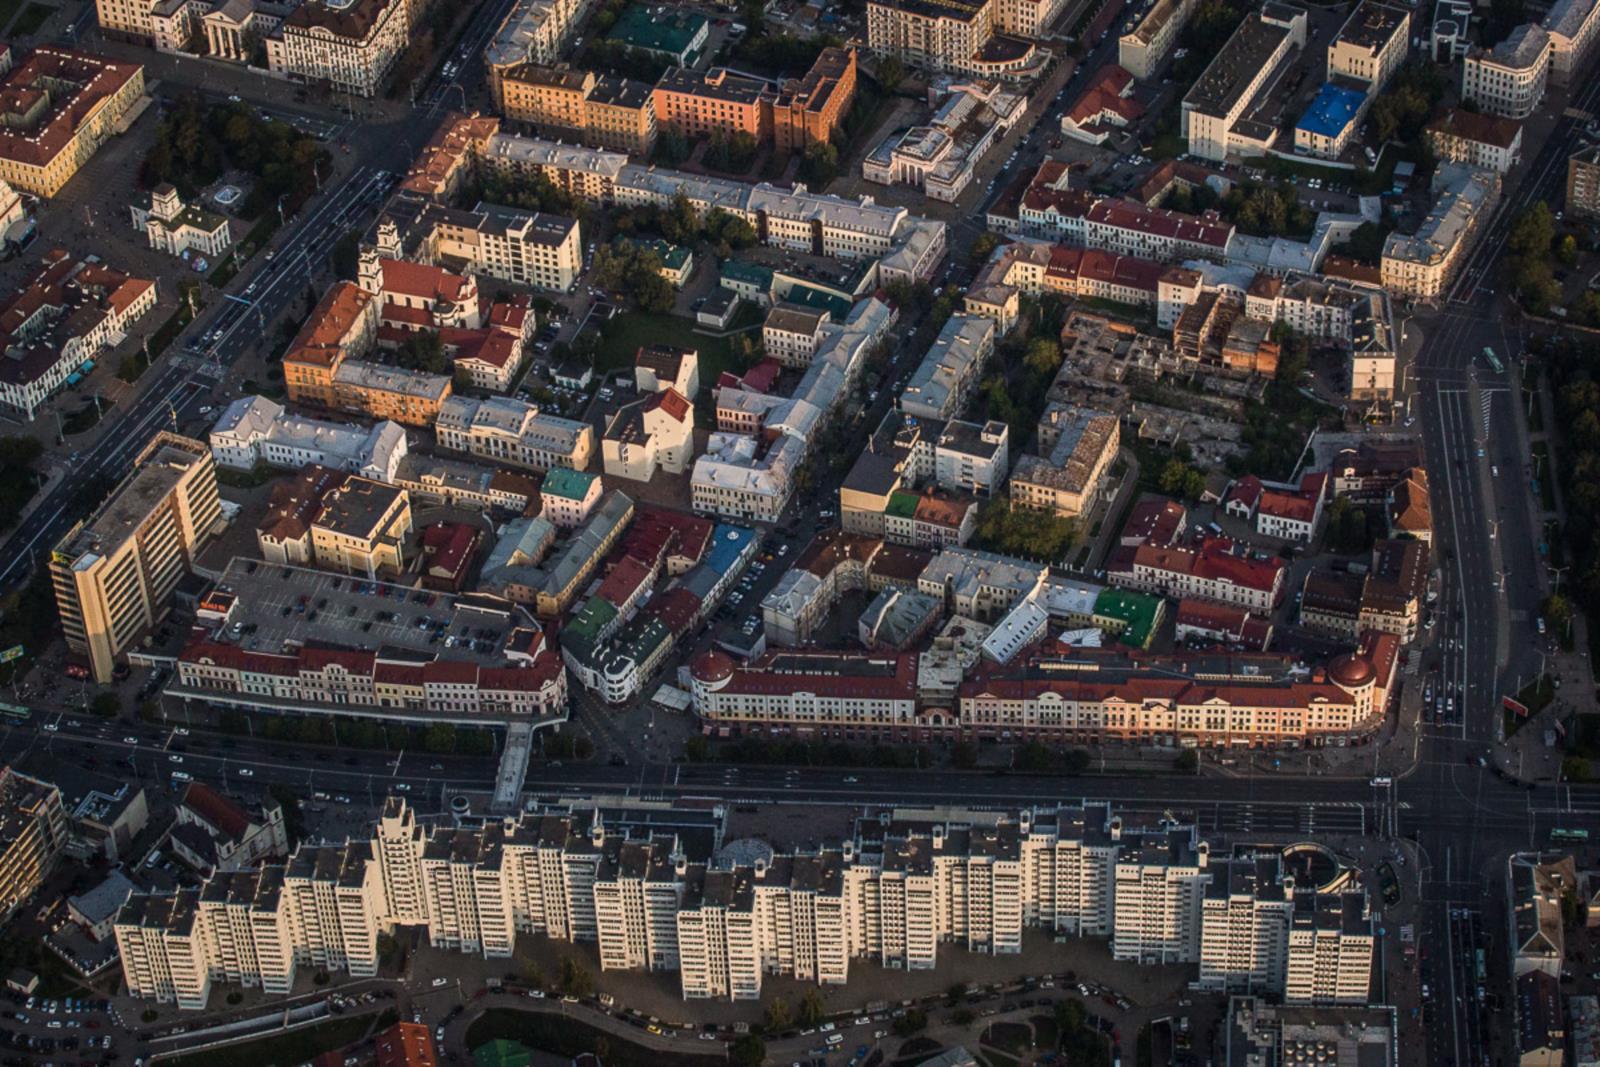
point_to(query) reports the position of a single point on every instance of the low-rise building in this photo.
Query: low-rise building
(656, 433)
(1583, 182)
(177, 228)
(513, 432)
(57, 323)
(1077, 447)
(1422, 265)
(1141, 50)
(1492, 142)
(1212, 572)
(1216, 108)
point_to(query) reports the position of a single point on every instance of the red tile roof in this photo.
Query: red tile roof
(670, 401)
(406, 1045)
(1174, 225)
(216, 810)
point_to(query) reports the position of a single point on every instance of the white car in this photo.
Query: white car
(246, 772)
(439, 983)
(174, 758)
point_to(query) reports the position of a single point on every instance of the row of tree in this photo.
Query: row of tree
(196, 144)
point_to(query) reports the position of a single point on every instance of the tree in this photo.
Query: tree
(891, 72)
(983, 246)
(779, 1017)
(820, 164)
(964, 755)
(424, 351)
(150, 711)
(1533, 231)
(1557, 611)
(575, 981)
(1043, 356)
(748, 1051)
(440, 738)
(911, 1022)
(811, 1009)
(106, 705)
(1188, 760)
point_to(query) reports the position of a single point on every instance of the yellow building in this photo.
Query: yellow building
(114, 572)
(59, 107)
(362, 528)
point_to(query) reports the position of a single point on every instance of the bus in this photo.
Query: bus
(1494, 360)
(1564, 834)
(15, 713)
(1481, 971)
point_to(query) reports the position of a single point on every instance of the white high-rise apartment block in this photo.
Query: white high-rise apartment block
(902, 886)
(1330, 950)
(1244, 924)
(1159, 883)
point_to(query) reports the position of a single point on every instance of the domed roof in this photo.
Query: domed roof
(711, 666)
(1351, 670)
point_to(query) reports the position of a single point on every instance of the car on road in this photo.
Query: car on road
(246, 772)
(174, 758)
(439, 983)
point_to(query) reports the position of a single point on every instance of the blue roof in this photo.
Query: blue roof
(728, 543)
(1332, 111)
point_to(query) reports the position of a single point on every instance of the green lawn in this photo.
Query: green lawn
(631, 330)
(288, 1050)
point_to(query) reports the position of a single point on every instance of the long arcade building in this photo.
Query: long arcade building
(902, 885)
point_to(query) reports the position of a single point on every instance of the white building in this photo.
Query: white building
(1510, 78)
(510, 431)
(1245, 917)
(350, 46)
(1422, 265)
(1216, 106)
(656, 433)
(1158, 887)
(944, 380)
(1330, 950)
(254, 429)
(176, 228)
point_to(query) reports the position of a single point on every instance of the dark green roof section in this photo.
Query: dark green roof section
(1137, 612)
(902, 505)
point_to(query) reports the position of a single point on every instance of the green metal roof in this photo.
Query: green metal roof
(568, 483)
(659, 32)
(1137, 611)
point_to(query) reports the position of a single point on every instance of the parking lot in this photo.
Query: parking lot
(278, 606)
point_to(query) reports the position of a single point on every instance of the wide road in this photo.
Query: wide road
(185, 378)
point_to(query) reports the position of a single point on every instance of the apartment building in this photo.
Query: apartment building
(992, 38)
(1423, 265)
(1157, 889)
(1583, 182)
(716, 102)
(791, 333)
(1573, 26)
(1244, 924)
(61, 319)
(510, 431)
(1330, 949)
(361, 528)
(1491, 142)
(1510, 78)
(1141, 50)
(656, 433)
(33, 831)
(602, 111)
(344, 323)
(114, 571)
(350, 46)
(808, 110)
(1216, 108)
(1076, 450)
(526, 247)
(942, 383)
(533, 31)
(1370, 46)
(62, 106)
(638, 883)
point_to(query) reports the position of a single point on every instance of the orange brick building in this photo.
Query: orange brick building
(322, 367)
(811, 108)
(800, 111)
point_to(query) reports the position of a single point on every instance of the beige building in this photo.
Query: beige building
(599, 110)
(1510, 78)
(1141, 50)
(509, 431)
(526, 247)
(1215, 108)
(362, 528)
(534, 31)
(33, 831)
(1371, 45)
(1077, 447)
(114, 572)
(62, 105)
(349, 47)
(1583, 182)
(1479, 140)
(1422, 265)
